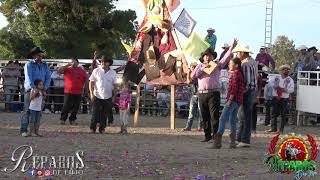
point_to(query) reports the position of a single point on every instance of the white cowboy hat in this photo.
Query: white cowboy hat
(242, 48)
(302, 47)
(225, 45)
(211, 29)
(286, 66)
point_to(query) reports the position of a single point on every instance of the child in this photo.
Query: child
(236, 88)
(36, 102)
(124, 106)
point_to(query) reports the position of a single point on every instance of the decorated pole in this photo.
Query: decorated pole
(137, 107)
(172, 113)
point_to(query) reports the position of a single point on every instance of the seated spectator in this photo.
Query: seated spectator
(10, 82)
(265, 58)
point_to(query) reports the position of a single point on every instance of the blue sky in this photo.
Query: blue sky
(244, 19)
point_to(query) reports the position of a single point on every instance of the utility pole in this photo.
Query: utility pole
(268, 24)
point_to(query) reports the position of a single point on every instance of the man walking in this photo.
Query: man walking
(250, 72)
(101, 88)
(75, 79)
(209, 89)
(34, 69)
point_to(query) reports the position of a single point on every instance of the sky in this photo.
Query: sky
(244, 19)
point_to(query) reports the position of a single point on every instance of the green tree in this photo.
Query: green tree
(65, 28)
(283, 51)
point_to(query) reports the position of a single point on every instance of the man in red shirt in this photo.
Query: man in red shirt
(75, 78)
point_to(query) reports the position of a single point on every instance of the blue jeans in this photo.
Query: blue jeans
(229, 113)
(194, 112)
(245, 117)
(26, 113)
(35, 117)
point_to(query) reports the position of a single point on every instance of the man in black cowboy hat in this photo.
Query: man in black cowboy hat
(101, 88)
(34, 69)
(209, 88)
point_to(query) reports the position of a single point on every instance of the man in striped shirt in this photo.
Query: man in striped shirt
(250, 71)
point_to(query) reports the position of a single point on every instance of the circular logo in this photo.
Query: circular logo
(293, 149)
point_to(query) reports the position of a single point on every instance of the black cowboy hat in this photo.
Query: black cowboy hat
(312, 48)
(107, 59)
(34, 51)
(207, 52)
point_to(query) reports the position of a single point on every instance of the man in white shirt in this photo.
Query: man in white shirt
(101, 88)
(58, 90)
(283, 86)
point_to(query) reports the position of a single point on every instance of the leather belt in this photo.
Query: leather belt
(208, 91)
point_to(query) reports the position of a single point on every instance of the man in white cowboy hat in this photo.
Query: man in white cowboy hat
(250, 71)
(283, 86)
(225, 48)
(300, 61)
(211, 38)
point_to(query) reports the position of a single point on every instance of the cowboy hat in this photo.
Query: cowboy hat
(207, 52)
(165, 26)
(34, 51)
(150, 56)
(302, 47)
(242, 48)
(312, 48)
(146, 28)
(286, 66)
(225, 45)
(211, 29)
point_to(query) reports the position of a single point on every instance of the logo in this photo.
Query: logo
(293, 155)
(35, 165)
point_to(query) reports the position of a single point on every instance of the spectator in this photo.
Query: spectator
(209, 89)
(74, 80)
(250, 71)
(211, 38)
(10, 83)
(149, 99)
(101, 86)
(310, 58)
(268, 96)
(194, 110)
(225, 48)
(283, 86)
(235, 93)
(265, 58)
(163, 97)
(302, 55)
(34, 69)
(57, 90)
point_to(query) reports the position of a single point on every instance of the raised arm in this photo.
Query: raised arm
(228, 55)
(62, 68)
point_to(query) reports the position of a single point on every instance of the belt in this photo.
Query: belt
(208, 91)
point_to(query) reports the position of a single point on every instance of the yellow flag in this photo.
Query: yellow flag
(127, 47)
(195, 46)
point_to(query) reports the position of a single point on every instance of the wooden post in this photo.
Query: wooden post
(136, 113)
(172, 113)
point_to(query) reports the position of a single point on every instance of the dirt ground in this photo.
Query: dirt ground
(152, 151)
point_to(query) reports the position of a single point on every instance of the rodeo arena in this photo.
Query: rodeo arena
(168, 111)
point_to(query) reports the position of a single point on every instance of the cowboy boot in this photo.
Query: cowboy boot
(233, 141)
(37, 127)
(121, 131)
(125, 130)
(217, 144)
(31, 129)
